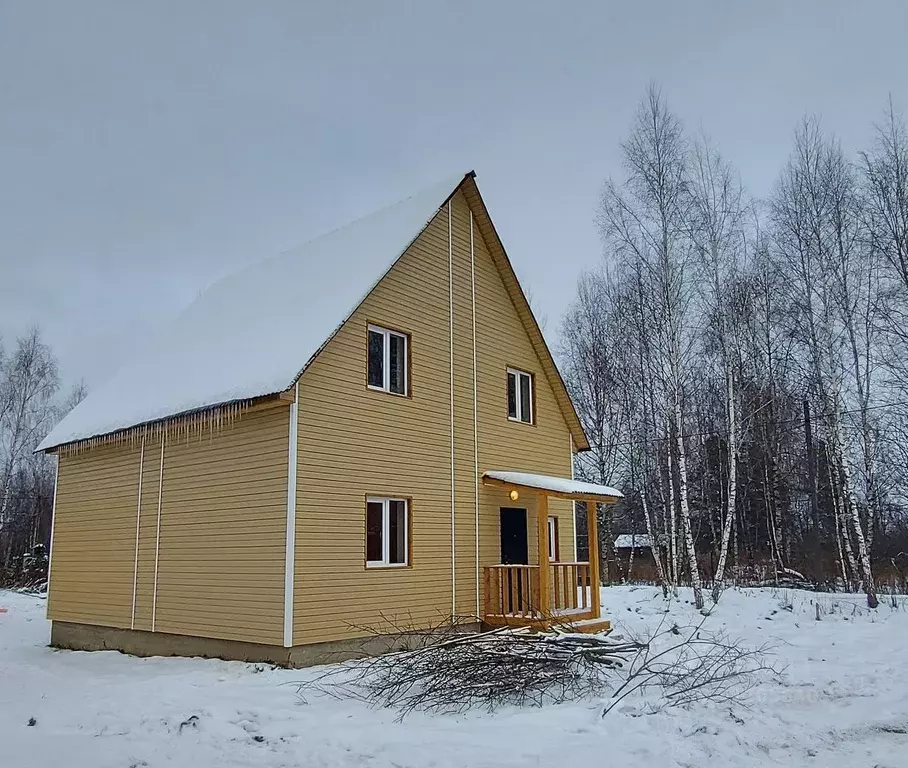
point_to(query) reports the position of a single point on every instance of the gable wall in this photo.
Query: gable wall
(355, 442)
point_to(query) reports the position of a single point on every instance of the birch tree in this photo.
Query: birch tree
(815, 229)
(645, 220)
(717, 214)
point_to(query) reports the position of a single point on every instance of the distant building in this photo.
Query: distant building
(633, 541)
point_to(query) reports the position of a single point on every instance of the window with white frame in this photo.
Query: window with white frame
(387, 532)
(520, 396)
(553, 539)
(387, 361)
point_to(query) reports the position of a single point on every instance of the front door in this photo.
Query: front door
(514, 549)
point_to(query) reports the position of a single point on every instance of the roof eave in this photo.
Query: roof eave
(254, 401)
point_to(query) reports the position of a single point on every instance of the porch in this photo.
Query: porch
(551, 592)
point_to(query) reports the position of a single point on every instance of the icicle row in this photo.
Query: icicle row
(190, 425)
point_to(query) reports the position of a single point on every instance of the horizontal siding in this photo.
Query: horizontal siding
(220, 563)
(356, 442)
(223, 519)
(94, 536)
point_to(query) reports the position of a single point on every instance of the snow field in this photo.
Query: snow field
(842, 701)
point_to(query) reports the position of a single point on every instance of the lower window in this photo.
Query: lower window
(387, 532)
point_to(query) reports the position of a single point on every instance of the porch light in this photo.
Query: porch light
(514, 495)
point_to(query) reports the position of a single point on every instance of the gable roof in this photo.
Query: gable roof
(254, 332)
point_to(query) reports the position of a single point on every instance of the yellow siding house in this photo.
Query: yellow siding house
(365, 432)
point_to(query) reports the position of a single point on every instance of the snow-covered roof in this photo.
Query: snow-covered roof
(253, 333)
(633, 540)
(560, 485)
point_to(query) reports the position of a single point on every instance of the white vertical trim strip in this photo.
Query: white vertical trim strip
(290, 541)
(475, 414)
(573, 503)
(53, 516)
(451, 329)
(135, 565)
(157, 535)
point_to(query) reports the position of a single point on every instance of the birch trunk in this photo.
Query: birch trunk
(671, 522)
(853, 513)
(732, 480)
(771, 523)
(838, 541)
(684, 510)
(838, 509)
(656, 549)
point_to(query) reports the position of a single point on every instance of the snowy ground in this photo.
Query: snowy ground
(842, 702)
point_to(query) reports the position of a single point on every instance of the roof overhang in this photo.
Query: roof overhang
(558, 487)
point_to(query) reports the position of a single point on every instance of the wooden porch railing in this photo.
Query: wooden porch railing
(513, 590)
(570, 586)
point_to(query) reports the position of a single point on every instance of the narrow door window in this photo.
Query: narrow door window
(553, 539)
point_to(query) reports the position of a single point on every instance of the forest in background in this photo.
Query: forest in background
(30, 405)
(741, 365)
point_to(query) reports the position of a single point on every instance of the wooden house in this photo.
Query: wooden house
(364, 431)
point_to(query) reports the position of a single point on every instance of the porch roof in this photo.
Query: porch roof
(560, 487)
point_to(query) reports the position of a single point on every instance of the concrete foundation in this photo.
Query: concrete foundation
(91, 637)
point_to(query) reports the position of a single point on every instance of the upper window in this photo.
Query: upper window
(520, 396)
(387, 532)
(387, 360)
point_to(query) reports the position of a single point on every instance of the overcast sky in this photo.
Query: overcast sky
(147, 151)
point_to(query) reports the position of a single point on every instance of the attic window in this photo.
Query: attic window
(388, 360)
(520, 396)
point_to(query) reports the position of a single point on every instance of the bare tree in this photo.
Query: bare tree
(645, 221)
(816, 230)
(885, 169)
(717, 227)
(28, 383)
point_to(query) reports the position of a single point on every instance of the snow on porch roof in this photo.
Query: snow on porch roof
(252, 333)
(557, 485)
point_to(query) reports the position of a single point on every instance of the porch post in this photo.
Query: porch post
(542, 539)
(592, 528)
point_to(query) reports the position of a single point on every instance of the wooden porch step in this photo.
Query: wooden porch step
(585, 626)
(558, 624)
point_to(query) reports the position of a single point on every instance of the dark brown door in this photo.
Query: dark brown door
(514, 549)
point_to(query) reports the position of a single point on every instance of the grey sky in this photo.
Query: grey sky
(147, 151)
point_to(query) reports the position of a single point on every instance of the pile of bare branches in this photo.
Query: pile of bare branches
(682, 666)
(447, 670)
(454, 671)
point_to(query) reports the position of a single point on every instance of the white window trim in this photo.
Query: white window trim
(517, 373)
(553, 527)
(386, 360)
(386, 532)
